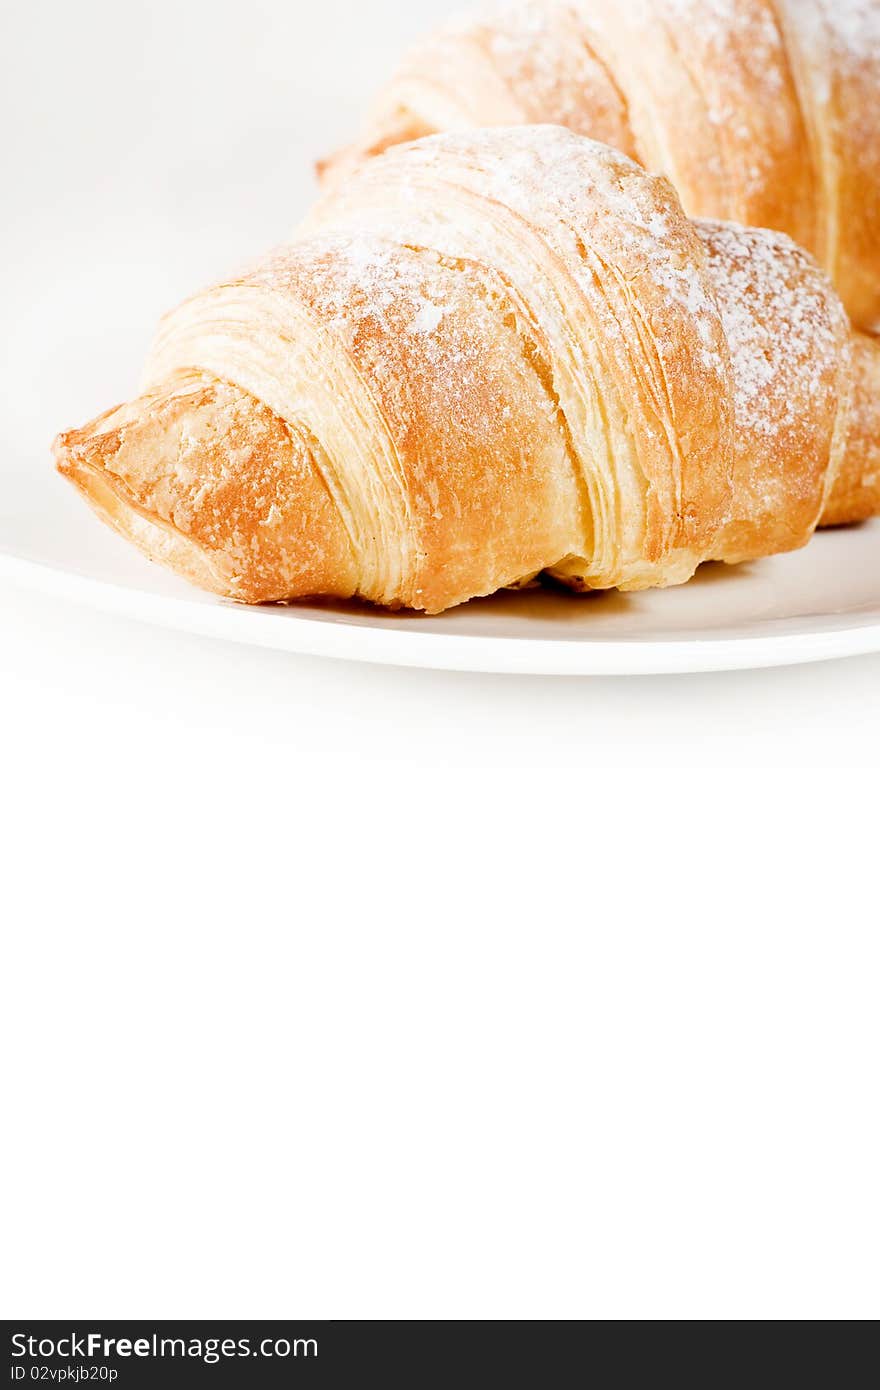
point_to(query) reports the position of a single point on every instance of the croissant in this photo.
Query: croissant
(764, 112)
(490, 355)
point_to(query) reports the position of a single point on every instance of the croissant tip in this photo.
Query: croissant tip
(74, 460)
(67, 458)
(62, 452)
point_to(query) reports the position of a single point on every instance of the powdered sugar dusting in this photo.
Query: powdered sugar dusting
(407, 317)
(358, 278)
(838, 38)
(541, 51)
(855, 25)
(428, 317)
(578, 189)
(783, 325)
(735, 51)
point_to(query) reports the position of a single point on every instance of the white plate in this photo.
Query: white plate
(822, 602)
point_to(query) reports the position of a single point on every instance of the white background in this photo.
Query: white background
(341, 991)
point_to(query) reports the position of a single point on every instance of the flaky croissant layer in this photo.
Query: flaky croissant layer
(764, 112)
(491, 355)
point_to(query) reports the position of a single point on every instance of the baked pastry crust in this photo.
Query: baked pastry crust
(765, 112)
(855, 495)
(487, 355)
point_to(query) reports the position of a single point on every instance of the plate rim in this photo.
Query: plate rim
(302, 634)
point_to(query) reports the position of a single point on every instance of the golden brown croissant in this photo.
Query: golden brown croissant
(490, 355)
(765, 112)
